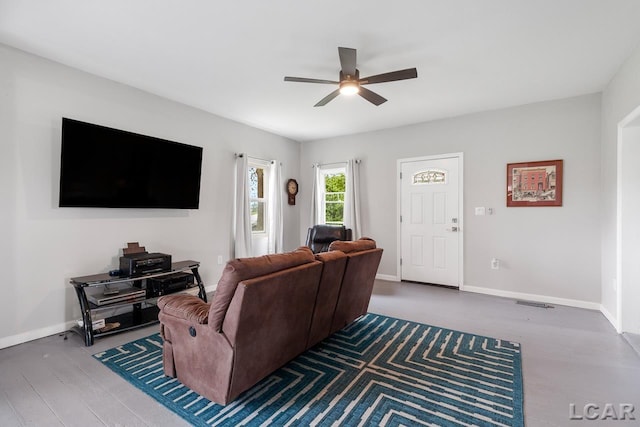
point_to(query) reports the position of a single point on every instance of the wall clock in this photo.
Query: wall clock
(292, 190)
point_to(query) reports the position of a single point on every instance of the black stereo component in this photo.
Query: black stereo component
(158, 286)
(144, 263)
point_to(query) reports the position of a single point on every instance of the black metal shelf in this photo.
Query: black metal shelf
(143, 311)
(127, 303)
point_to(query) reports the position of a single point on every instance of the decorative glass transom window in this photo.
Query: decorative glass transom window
(431, 176)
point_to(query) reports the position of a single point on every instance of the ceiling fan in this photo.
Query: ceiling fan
(350, 82)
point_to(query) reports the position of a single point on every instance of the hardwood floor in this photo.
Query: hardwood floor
(634, 341)
(569, 356)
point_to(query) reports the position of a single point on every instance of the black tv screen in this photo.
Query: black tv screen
(103, 167)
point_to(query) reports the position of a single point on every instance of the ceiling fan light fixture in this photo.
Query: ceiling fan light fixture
(349, 87)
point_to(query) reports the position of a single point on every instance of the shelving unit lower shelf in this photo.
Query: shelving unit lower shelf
(144, 310)
(127, 321)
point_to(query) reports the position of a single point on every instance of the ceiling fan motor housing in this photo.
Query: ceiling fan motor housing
(349, 78)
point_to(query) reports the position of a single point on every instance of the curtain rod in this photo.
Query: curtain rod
(255, 158)
(334, 163)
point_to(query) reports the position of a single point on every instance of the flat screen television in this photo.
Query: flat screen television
(103, 167)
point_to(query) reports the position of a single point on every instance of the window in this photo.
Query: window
(432, 176)
(332, 184)
(258, 190)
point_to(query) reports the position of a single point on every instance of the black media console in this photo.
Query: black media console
(129, 302)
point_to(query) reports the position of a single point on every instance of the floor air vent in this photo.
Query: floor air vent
(534, 304)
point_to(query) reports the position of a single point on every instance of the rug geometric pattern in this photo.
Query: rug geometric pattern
(377, 371)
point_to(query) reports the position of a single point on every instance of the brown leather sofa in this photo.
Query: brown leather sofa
(265, 311)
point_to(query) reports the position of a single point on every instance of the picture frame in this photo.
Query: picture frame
(534, 183)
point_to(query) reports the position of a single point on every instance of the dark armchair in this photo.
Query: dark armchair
(319, 237)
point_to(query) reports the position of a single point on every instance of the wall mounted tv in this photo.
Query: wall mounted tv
(103, 167)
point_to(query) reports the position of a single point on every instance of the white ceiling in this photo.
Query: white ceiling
(230, 57)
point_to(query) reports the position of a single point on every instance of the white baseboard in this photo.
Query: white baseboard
(35, 334)
(24, 337)
(610, 317)
(387, 277)
(534, 297)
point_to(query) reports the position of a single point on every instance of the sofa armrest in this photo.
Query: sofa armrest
(187, 307)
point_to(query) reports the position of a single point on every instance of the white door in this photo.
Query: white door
(430, 222)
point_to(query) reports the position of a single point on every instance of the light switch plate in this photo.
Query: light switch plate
(480, 211)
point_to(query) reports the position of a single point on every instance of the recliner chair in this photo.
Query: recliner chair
(319, 237)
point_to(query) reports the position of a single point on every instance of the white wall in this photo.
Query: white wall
(545, 251)
(620, 98)
(42, 246)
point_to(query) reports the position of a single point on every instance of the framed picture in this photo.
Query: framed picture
(534, 183)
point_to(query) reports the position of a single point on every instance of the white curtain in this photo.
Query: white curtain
(242, 212)
(314, 217)
(352, 199)
(275, 208)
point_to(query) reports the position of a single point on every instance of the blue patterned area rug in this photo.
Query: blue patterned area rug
(377, 371)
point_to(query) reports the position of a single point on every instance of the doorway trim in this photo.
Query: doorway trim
(460, 157)
(627, 122)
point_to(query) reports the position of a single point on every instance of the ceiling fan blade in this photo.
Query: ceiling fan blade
(409, 73)
(372, 97)
(326, 99)
(305, 80)
(347, 60)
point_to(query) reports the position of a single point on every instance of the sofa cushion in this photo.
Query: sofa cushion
(241, 269)
(361, 244)
(187, 307)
